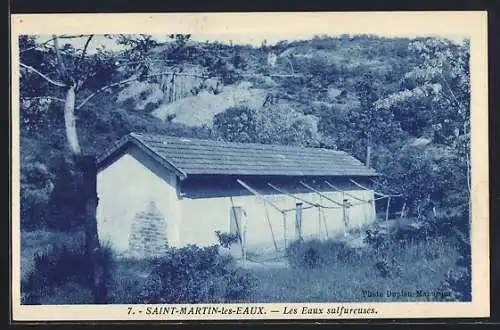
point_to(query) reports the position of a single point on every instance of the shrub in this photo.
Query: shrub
(458, 282)
(375, 239)
(316, 253)
(236, 124)
(192, 275)
(63, 267)
(397, 235)
(35, 190)
(227, 239)
(386, 264)
(389, 247)
(129, 280)
(458, 285)
(388, 267)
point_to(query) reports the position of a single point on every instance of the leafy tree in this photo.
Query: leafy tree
(368, 125)
(57, 73)
(391, 92)
(281, 124)
(274, 124)
(51, 72)
(236, 124)
(439, 88)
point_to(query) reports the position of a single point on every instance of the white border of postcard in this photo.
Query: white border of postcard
(472, 24)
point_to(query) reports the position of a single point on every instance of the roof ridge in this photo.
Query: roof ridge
(242, 144)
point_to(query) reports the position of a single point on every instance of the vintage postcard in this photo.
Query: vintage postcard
(250, 166)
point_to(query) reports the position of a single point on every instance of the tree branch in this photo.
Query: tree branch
(34, 47)
(275, 75)
(53, 82)
(45, 98)
(126, 81)
(82, 57)
(137, 62)
(451, 91)
(51, 39)
(64, 36)
(62, 67)
(84, 52)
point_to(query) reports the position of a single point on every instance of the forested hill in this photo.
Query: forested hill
(400, 104)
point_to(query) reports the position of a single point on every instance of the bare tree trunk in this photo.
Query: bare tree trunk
(387, 209)
(87, 165)
(88, 177)
(298, 221)
(88, 192)
(70, 123)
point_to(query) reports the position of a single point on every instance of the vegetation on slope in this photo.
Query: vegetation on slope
(404, 102)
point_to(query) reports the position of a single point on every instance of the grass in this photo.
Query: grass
(411, 266)
(38, 241)
(422, 266)
(129, 280)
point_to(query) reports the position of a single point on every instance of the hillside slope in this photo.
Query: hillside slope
(199, 110)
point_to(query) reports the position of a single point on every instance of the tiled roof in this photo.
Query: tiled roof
(195, 156)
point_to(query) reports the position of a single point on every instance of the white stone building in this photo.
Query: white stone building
(156, 191)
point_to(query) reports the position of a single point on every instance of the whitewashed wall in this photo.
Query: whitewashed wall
(126, 187)
(203, 216)
(131, 182)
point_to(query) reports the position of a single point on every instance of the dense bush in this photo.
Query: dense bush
(458, 282)
(193, 274)
(236, 124)
(36, 187)
(457, 285)
(316, 253)
(226, 239)
(61, 267)
(444, 225)
(382, 239)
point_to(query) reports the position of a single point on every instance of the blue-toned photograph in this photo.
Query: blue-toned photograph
(184, 168)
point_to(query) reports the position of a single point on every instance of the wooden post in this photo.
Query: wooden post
(284, 229)
(324, 222)
(174, 97)
(344, 215)
(253, 191)
(368, 155)
(320, 236)
(403, 210)
(365, 216)
(374, 209)
(347, 209)
(270, 226)
(298, 221)
(319, 222)
(244, 235)
(387, 209)
(240, 233)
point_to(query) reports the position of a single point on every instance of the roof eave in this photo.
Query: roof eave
(132, 138)
(288, 174)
